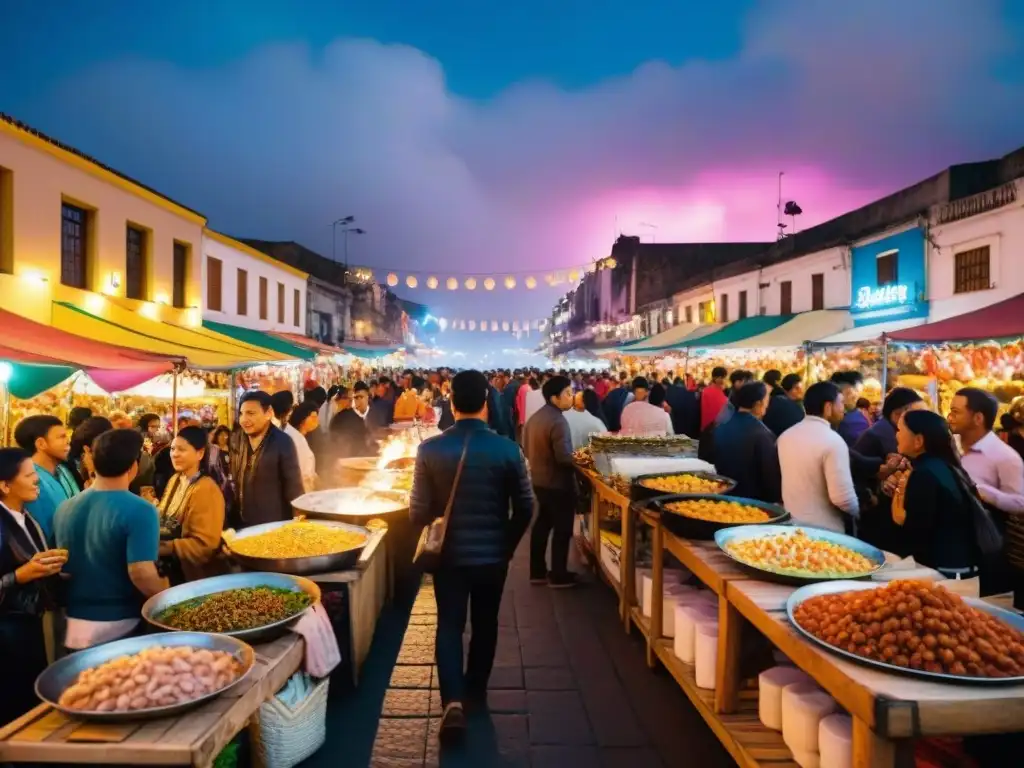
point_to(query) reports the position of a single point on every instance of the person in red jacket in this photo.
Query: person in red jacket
(713, 398)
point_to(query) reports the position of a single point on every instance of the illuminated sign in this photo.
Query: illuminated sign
(886, 296)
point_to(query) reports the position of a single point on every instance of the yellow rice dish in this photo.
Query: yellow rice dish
(716, 511)
(301, 538)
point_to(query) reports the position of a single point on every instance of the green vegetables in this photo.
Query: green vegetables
(235, 610)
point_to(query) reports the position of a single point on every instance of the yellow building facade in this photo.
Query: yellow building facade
(77, 232)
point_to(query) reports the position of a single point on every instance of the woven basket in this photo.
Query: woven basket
(283, 737)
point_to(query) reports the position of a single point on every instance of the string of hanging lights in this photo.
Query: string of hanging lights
(486, 326)
(470, 282)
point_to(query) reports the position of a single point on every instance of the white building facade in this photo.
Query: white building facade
(245, 287)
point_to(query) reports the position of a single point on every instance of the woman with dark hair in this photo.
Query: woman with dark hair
(191, 512)
(80, 456)
(933, 501)
(592, 405)
(25, 567)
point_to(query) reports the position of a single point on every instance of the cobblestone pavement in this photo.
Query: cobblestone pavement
(569, 689)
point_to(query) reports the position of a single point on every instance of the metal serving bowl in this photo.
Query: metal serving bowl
(743, 532)
(299, 566)
(639, 491)
(704, 530)
(832, 587)
(340, 504)
(171, 597)
(63, 673)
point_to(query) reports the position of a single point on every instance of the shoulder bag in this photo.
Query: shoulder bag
(431, 542)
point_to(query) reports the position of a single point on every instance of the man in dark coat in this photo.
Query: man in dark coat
(264, 465)
(480, 539)
(785, 408)
(744, 448)
(685, 407)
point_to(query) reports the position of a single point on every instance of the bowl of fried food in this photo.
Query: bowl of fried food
(700, 516)
(661, 483)
(299, 547)
(145, 677)
(916, 628)
(799, 555)
(255, 607)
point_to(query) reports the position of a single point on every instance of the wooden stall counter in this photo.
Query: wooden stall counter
(606, 501)
(195, 738)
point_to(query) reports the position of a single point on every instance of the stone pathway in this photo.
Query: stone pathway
(569, 689)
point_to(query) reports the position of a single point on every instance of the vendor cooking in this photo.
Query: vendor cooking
(191, 512)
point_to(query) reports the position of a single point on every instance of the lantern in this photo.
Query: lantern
(494, 325)
(515, 326)
(431, 282)
(505, 326)
(549, 278)
(472, 325)
(452, 284)
(489, 283)
(392, 279)
(574, 275)
(530, 282)
(442, 324)
(470, 283)
(411, 281)
(510, 282)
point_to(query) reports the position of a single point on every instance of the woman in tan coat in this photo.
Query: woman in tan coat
(191, 512)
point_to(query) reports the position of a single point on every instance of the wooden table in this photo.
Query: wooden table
(604, 499)
(45, 735)
(889, 711)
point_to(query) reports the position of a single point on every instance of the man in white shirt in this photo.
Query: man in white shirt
(534, 401)
(582, 423)
(817, 485)
(283, 403)
(643, 417)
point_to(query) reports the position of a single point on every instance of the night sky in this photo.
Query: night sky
(480, 136)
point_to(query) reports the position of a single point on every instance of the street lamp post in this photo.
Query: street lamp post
(345, 222)
(354, 231)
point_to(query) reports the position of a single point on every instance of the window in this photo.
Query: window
(136, 242)
(181, 254)
(6, 220)
(887, 266)
(786, 297)
(214, 285)
(724, 314)
(972, 270)
(818, 291)
(706, 311)
(297, 309)
(73, 242)
(280, 303)
(263, 298)
(243, 293)
(743, 304)
(689, 313)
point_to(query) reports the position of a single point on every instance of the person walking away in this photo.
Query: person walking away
(616, 401)
(582, 422)
(264, 465)
(713, 398)
(509, 398)
(685, 413)
(495, 413)
(27, 575)
(744, 448)
(933, 503)
(112, 537)
(303, 422)
(191, 512)
(45, 439)
(547, 442)
(817, 485)
(480, 539)
(643, 418)
(855, 422)
(784, 407)
(998, 472)
(382, 409)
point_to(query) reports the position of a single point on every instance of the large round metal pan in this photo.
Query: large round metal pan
(63, 673)
(350, 504)
(744, 532)
(832, 587)
(299, 566)
(193, 589)
(640, 491)
(704, 530)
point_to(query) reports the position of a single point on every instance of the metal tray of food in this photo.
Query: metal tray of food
(193, 589)
(298, 566)
(639, 491)
(745, 532)
(1014, 620)
(63, 673)
(704, 530)
(340, 504)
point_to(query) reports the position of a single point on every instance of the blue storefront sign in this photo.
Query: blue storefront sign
(888, 278)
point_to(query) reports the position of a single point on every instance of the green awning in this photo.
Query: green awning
(738, 331)
(369, 353)
(260, 339)
(28, 380)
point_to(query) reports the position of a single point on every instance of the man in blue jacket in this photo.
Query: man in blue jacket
(480, 539)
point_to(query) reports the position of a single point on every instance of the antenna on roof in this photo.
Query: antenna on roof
(778, 211)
